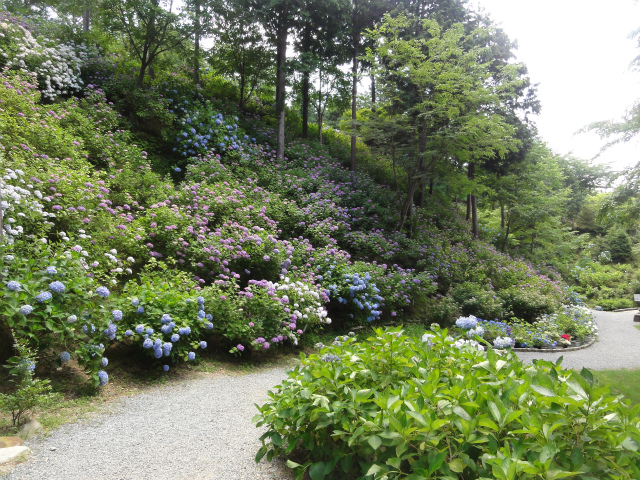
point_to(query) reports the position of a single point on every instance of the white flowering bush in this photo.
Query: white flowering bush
(57, 66)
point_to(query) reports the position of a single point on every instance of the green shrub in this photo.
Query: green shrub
(392, 407)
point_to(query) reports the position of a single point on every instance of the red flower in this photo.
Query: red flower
(566, 337)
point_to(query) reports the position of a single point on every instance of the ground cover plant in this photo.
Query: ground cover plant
(436, 407)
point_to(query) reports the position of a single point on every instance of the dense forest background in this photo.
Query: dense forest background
(381, 155)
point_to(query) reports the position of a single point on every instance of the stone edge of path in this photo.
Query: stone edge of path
(561, 349)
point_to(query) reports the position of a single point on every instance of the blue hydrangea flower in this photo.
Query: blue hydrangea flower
(65, 357)
(467, 322)
(165, 318)
(166, 348)
(72, 319)
(14, 286)
(128, 333)
(166, 329)
(140, 310)
(175, 337)
(191, 356)
(43, 297)
(140, 329)
(209, 325)
(105, 361)
(110, 332)
(187, 330)
(201, 314)
(85, 328)
(165, 368)
(104, 378)
(135, 302)
(157, 343)
(177, 169)
(209, 317)
(117, 315)
(149, 331)
(157, 352)
(26, 309)
(103, 292)
(51, 270)
(148, 343)
(203, 344)
(181, 331)
(201, 300)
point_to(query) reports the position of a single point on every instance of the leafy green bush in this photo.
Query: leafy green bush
(393, 408)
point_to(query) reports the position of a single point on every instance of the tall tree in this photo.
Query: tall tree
(147, 28)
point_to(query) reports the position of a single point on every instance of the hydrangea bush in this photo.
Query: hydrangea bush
(394, 407)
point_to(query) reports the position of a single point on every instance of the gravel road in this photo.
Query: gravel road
(617, 347)
(202, 429)
(194, 430)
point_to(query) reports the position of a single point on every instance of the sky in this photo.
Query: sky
(579, 52)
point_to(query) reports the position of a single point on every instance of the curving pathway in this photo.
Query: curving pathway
(617, 346)
(202, 429)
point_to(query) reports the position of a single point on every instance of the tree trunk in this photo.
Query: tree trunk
(196, 46)
(281, 56)
(468, 216)
(320, 112)
(472, 202)
(431, 187)
(86, 17)
(501, 217)
(421, 193)
(408, 202)
(354, 88)
(306, 47)
(506, 234)
(373, 89)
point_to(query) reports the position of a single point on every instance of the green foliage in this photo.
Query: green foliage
(619, 245)
(392, 407)
(28, 392)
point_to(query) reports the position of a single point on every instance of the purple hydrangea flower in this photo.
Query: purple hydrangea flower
(240, 347)
(103, 292)
(65, 357)
(104, 378)
(43, 297)
(191, 356)
(26, 309)
(117, 315)
(14, 286)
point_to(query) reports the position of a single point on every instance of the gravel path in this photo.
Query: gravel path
(195, 430)
(202, 429)
(617, 347)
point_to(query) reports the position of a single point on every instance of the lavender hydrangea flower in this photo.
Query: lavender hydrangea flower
(105, 361)
(191, 356)
(240, 347)
(203, 344)
(175, 337)
(26, 309)
(103, 377)
(110, 332)
(43, 297)
(140, 329)
(147, 343)
(65, 357)
(117, 315)
(51, 270)
(14, 286)
(103, 292)
(57, 287)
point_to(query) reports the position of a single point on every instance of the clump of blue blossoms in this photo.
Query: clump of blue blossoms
(51, 270)
(147, 343)
(65, 357)
(26, 309)
(44, 297)
(105, 361)
(103, 377)
(191, 356)
(117, 315)
(467, 322)
(14, 286)
(57, 287)
(111, 330)
(140, 329)
(103, 292)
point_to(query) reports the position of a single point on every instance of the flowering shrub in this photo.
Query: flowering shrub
(392, 407)
(57, 306)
